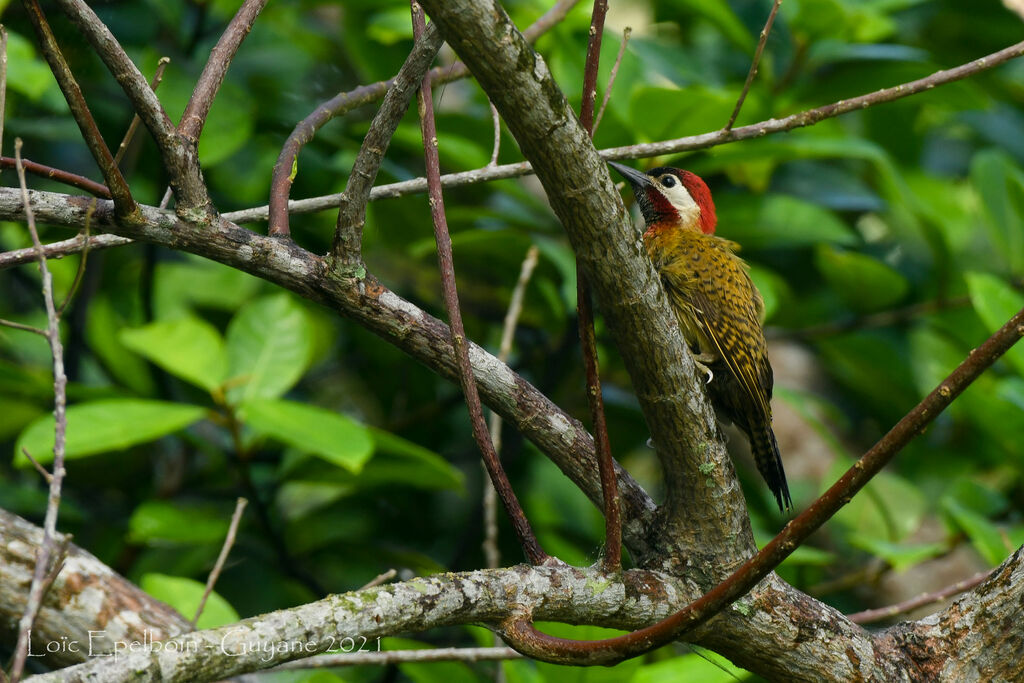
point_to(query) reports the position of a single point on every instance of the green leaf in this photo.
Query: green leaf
(985, 536)
(889, 508)
(780, 221)
(26, 73)
(864, 283)
(663, 113)
(705, 667)
(996, 302)
(268, 346)
(161, 521)
(901, 556)
(336, 438)
(184, 595)
(189, 348)
(181, 285)
(401, 461)
(1000, 183)
(107, 425)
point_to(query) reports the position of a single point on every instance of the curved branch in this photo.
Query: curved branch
(286, 166)
(49, 172)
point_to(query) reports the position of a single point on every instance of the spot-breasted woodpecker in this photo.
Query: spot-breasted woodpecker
(718, 307)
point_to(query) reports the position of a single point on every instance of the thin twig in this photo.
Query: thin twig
(287, 167)
(73, 179)
(524, 532)
(348, 234)
(385, 657)
(626, 33)
(47, 477)
(754, 63)
(508, 330)
(380, 578)
(218, 566)
(46, 551)
(524, 637)
(496, 120)
(80, 271)
(651, 149)
(198, 107)
(124, 203)
(873, 615)
(612, 559)
(3, 82)
(158, 76)
(17, 257)
(22, 326)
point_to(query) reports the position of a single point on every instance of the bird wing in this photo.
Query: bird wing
(726, 309)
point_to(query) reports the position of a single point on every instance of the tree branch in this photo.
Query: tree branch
(649, 149)
(754, 64)
(119, 190)
(198, 107)
(348, 233)
(428, 129)
(286, 167)
(180, 156)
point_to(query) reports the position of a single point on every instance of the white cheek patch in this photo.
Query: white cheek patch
(681, 200)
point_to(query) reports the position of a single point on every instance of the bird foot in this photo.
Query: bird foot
(700, 360)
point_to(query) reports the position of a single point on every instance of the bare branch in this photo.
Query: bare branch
(218, 566)
(180, 156)
(626, 33)
(380, 579)
(612, 558)
(754, 63)
(17, 257)
(198, 107)
(287, 162)
(496, 120)
(872, 615)
(690, 143)
(46, 552)
(119, 190)
(508, 330)
(66, 177)
(158, 76)
(348, 235)
(47, 477)
(531, 548)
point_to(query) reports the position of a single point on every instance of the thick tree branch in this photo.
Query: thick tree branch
(704, 511)
(87, 597)
(370, 304)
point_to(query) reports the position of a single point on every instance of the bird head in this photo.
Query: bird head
(671, 198)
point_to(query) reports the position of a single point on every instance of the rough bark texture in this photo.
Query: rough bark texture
(88, 608)
(694, 539)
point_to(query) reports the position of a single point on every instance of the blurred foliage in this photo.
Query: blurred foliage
(888, 243)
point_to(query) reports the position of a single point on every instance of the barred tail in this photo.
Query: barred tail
(769, 463)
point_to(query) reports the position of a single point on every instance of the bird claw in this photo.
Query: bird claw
(705, 369)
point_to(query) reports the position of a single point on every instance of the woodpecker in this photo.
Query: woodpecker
(718, 307)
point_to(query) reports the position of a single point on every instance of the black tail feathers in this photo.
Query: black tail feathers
(769, 464)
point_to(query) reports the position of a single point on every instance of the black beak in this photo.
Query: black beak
(636, 178)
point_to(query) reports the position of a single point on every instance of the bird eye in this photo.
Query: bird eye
(669, 181)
